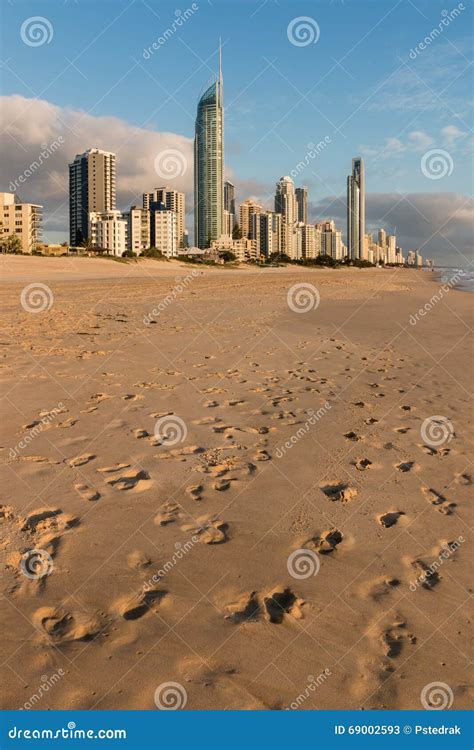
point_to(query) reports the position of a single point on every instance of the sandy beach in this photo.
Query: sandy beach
(266, 507)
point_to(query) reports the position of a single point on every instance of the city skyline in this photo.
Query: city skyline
(397, 136)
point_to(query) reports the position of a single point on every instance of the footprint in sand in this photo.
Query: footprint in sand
(169, 513)
(394, 638)
(195, 491)
(379, 588)
(339, 491)
(87, 492)
(390, 518)
(430, 451)
(326, 542)
(68, 423)
(141, 433)
(81, 460)
(137, 560)
(362, 464)
(352, 436)
(439, 501)
(60, 626)
(209, 530)
(113, 468)
(282, 602)
(135, 606)
(134, 479)
(426, 576)
(405, 466)
(245, 609)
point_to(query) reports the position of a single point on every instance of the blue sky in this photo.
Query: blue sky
(357, 86)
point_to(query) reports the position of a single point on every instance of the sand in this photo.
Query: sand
(231, 496)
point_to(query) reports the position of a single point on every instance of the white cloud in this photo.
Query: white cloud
(30, 125)
(420, 140)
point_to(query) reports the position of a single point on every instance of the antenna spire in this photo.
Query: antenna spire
(220, 60)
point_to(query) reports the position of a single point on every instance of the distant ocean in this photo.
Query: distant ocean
(463, 278)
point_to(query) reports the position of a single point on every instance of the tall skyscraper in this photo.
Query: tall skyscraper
(356, 209)
(91, 189)
(286, 205)
(209, 163)
(302, 201)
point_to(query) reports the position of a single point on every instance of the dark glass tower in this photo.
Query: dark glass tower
(209, 164)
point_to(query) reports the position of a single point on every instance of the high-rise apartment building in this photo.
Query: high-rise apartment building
(22, 220)
(391, 251)
(356, 209)
(91, 189)
(165, 231)
(286, 205)
(247, 209)
(266, 231)
(138, 229)
(302, 202)
(229, 197)
(173, 200)
(311, 241)
(209, 163)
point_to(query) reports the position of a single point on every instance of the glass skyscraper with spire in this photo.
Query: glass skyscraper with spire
(209, 164)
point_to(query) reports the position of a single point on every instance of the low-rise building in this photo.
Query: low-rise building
(108, 230)
(244, 249)
(22, 220)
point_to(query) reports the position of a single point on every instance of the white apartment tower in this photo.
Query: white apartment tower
(91, 189)
(286, 205)
(165, 232)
